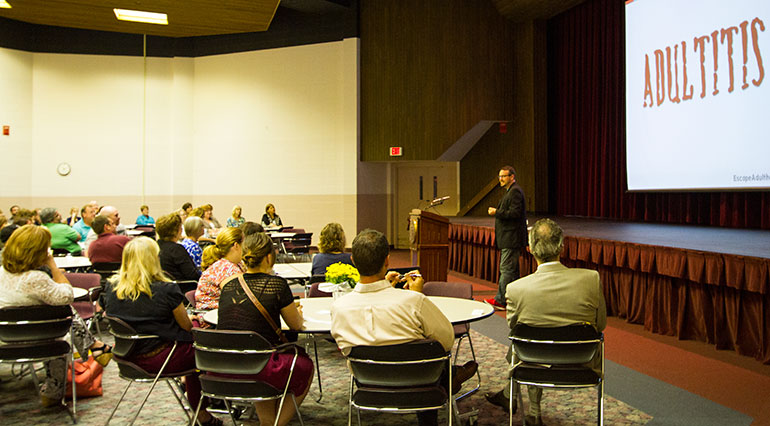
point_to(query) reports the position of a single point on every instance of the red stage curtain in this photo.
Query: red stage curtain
(587, 132)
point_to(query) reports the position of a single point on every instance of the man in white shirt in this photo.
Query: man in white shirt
(377, 314)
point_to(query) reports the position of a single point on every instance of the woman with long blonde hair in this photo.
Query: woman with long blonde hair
(143, 296)
(226, 257)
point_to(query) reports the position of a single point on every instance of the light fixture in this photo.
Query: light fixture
(141, 16)
(4, 4)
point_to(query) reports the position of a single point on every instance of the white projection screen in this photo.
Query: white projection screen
(697, 95)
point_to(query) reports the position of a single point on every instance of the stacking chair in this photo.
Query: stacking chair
(238, 353)
(125, 340)
(190, 297)
(558, 357)
(462, 331)
(187, 285)
(106, 269)
(87, 310)
(402, 378)
(33, 334)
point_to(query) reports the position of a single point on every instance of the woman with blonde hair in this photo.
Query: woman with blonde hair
(143, 296)
(227, 252)
(237, 312)
(236, 220)
(25, 281)
(331, 246)
(270, 219)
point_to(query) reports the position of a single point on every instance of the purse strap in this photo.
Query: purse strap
(261, 309)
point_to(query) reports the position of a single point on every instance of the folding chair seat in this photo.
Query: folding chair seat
(235, 352)
(559, 358)
(87, 309)
(462, 331)
(33, 334)
(402, 378)
(126, 338)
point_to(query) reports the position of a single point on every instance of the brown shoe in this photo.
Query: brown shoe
(461, 374)
(499, 399)
(533, 421)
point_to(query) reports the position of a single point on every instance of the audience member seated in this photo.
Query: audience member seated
(112, 213)
(143, 297)
(87, 215)
(108, 247)
(73, 217)
(24, 281)
(62, 236)
(249, 228)
(209, 231)
(226, 257)
(383, 306)
(188, 208)
(235, 220)
(270, 219)
(173, 256)
(552, 296)
(237, 312)
(13, 210)
(145, 218)
(210, 209)
(331, 244)
(193, 229)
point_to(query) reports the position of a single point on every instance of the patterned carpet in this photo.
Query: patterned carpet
(19, 404)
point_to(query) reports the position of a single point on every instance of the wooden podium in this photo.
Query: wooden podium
(429, 238)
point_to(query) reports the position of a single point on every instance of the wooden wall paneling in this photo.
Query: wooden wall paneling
(429, 72)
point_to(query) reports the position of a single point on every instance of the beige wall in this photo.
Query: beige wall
(277, 126)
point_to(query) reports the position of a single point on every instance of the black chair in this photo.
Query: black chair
(462, 331)
(560, 358)
(125, 340)
(299, 244)
(58, 252)
(187, 285)
(402, 378)
(87, 309)
(106, 269)
(238, 353)
(33, 334)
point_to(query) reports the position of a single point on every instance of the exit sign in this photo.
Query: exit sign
(396, 151)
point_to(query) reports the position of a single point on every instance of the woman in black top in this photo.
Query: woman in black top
(270, 219)
(237, 312)
(173, 256)
(143, 297)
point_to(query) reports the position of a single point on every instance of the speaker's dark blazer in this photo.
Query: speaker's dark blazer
(511, 219)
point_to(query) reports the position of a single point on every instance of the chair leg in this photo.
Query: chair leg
(118, 404)
(74, 391)
(179, 398)
(286, 389)
(520, 399)
(154, 382)
(197, 410)
(600, 414)
(230, 412)
(478, 373)
(317, 369)
(296, 408)
(350, 403)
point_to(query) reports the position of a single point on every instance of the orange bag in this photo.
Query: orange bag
(88, 378)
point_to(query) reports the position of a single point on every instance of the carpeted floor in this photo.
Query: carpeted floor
(19, 404)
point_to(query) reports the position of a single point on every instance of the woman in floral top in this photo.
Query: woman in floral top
(236, 220)
(220, 261)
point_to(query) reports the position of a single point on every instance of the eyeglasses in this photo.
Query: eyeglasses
(503, 176)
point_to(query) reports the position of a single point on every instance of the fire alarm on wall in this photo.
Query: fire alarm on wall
(6, 130)
(395, 151)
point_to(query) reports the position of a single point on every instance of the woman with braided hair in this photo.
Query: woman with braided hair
(220, 261)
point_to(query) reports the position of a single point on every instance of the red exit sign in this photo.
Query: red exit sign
(396, 151)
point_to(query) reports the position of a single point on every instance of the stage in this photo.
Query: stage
(700, 283)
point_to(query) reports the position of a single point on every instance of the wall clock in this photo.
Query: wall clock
(63, 169)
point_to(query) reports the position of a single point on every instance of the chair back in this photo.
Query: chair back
(58, 252)
(567, 345)
(450, 289)
(411, 364)
(316, 292)
(125, 336)
(86, 310)
(106, 269)
(34, 323)
(187, 285)
(190, 296)
(230, 351)
(146, 230)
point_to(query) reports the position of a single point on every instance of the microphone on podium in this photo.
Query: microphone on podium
(438, 201)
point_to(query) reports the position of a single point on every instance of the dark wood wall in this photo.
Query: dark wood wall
(431, 70)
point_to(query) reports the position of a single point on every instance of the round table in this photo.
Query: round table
(317, 312)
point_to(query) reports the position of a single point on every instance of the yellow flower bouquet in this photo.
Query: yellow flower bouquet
(342, 274)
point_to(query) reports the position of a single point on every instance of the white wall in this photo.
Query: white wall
(250, 128)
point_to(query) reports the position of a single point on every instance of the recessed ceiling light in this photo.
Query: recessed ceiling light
(141, 16)
(4, 4)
